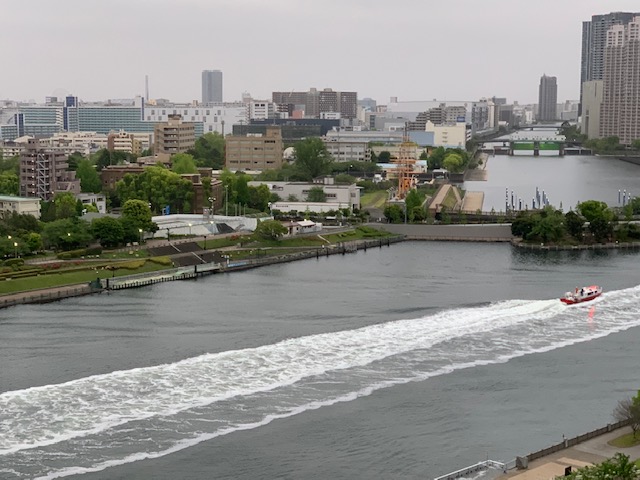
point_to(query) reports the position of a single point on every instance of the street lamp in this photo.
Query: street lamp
(349, 169)
(140, 232)
(189, 229)
(15, 252)
(270, 211)
(205, 242)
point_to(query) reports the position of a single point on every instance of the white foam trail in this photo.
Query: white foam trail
(358, 361)
(93, 404)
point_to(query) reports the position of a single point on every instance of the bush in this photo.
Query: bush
(96, 250)
(164, 261)
(14, 263)
(132, 265)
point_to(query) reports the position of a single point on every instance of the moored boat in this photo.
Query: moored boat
(580, 295)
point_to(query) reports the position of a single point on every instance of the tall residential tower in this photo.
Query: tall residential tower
(548, 99)
(620, 111)
(594, 39)
(211, 86)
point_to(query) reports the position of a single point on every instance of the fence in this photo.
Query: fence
(524, 461)
(595, 246)
(49, 296)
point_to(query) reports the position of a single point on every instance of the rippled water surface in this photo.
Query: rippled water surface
(402, 362)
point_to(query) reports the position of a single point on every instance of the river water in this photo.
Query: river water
(407, 361)
(565, 180)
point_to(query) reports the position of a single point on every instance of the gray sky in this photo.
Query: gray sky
(412, 49)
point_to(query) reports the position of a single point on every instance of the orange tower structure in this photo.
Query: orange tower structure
(406, 163)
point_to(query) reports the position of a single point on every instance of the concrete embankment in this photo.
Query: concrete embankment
(192, 272)
(463, 233)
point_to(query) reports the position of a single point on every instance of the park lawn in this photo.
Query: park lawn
(450, 200)
(62, 278)
(625, 441)
(216, 243)
(375, 199)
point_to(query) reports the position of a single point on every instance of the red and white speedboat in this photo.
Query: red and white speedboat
(580, 295)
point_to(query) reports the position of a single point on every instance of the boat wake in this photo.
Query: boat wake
(101, 421)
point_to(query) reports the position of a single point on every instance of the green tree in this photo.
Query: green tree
(66, 233)
(269, 230)
(394, 213)
(9, 183)
(158, 186)
(384, 156)
(436, 158)
(620, 467)
(11, 164)
(601, 229)
(413, 203)
(139, 214)
(549, 227)
(209, 151)
(74, 159)
(183, 163)
(108, 231)
(574, 224)
(316, 194)
(103, 158)
(259, 197)
(636, 144)
(33, 242)
(312, 157)
(523, 225)
(64, 205)
(593, 209)
(628, 410)
(88, 175)
(453, 162)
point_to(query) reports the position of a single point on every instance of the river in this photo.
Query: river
(565, 180)
(406, 361)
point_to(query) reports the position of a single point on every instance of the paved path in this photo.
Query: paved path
(586, 453)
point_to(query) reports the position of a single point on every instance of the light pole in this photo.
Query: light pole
(15, 251)
(349, 169)
(189, 229)
(205, 242)
(140, 232)
(270, 211)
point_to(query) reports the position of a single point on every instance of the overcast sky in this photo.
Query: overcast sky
(412, 49)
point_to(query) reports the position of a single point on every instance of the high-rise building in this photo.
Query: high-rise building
(548, 99)
(211, 86)
(594, 38)
(620, 111)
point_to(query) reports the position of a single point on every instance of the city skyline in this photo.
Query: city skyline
(455, 50)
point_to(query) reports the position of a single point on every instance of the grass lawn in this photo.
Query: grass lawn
(374, 199)
(626, 441)
(450, 200)
(215, 243)
(62, 278)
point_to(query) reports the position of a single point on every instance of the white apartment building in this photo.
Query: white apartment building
(97, 199)
(345, 150)
(261, 109)
(20, 205)
(214, 118)
(348, 195)
(449, 136)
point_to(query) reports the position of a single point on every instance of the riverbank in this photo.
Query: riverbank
(191, 272)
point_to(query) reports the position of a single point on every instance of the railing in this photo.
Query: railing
(478, 467)
(46, 297)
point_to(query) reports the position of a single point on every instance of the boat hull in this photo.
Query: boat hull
(569, 301)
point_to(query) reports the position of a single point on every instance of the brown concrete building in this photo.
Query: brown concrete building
(173, 136)
(315, 102)
(44, 172)
(255, 151)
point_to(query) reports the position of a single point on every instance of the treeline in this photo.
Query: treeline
(593, 221)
